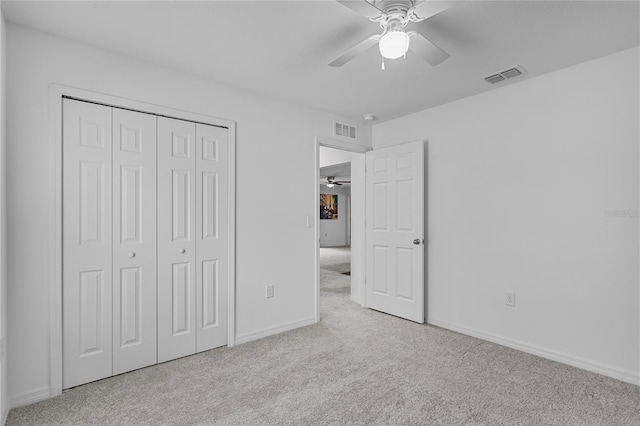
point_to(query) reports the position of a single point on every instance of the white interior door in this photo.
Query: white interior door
(212, 236)
(395, 231)
(176, 238)
(134, 240)
(87, 243)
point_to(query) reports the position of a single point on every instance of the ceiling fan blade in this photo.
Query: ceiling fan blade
(426, 49)
(359, 48)
(362, 7)
(429, 8)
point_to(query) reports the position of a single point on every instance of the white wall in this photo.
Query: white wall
(333, 232)
(520, 182)
(4, 407)
(270, 248)
(357, 227)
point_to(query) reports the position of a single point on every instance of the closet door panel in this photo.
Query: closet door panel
(134, 240)
(211, 236)
(87, 242)
(176, 238)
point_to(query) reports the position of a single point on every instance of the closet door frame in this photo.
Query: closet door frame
(56, 94)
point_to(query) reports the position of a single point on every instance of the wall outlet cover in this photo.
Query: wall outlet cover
(510, 299)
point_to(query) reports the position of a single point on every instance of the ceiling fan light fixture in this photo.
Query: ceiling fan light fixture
(330, 185)
(394, 44)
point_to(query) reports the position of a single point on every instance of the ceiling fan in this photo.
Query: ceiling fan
(394, 41)
(331, 181)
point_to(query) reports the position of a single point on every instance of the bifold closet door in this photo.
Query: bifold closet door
(192, 237)
(212, 235)
(176, 238)
(87, 243)
(109, 241)
(134, 240)
(145, 239)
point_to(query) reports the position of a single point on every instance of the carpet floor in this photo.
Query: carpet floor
(356, 366)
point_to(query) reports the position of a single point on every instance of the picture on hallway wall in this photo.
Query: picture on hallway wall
(328, 206)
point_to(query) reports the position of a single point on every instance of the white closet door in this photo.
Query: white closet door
(134, 240)
(212, 235)
(87, 243)
(176, 238)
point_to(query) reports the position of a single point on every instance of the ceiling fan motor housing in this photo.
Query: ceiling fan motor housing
(394, 6)
(393, 24)
(396, 14)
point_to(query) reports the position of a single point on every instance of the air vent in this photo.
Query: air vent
(513, 72)
(503, 75)
(345, 130)
(493, 79)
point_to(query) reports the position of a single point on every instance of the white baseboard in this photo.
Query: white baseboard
(355, 299)
(29, 397)
(248, 337)
(595, 367)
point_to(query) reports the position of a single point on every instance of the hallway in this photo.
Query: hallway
(334, 263)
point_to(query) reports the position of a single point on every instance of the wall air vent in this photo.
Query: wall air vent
(345, 130)
(503, 75)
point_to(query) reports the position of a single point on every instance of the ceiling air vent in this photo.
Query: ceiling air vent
(503, 75)
(345, 130)
(493, 79)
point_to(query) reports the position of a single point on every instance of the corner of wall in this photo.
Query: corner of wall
(4, 409)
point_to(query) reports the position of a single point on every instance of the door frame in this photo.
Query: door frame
(56, 94)
(343, 146)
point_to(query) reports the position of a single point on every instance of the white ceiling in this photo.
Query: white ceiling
(340, 171)
(281, 48)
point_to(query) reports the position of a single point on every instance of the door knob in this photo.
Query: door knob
(416, 241)
(131, 254)
(181, 251)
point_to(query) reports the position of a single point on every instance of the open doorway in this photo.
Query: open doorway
(340, 219)
(335, 224)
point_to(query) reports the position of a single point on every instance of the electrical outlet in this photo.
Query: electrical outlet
(269, 291)
(310, 221)
(510, 299)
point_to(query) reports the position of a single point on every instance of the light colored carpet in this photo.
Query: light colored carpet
(356, 366)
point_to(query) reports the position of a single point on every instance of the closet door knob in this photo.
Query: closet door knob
(131, 254)
(181, 251)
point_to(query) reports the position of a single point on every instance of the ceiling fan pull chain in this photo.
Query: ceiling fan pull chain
(382, 68)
